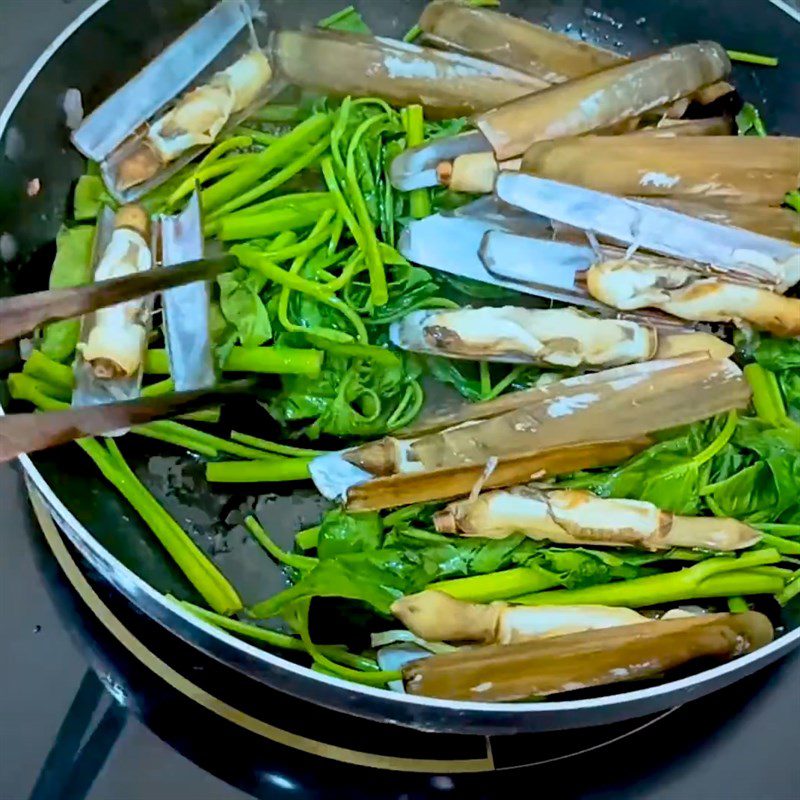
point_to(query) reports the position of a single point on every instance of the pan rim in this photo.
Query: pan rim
(82, 538)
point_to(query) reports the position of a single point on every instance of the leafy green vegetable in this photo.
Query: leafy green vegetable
(348, 19)
(792, 199)
(90, 197)
(243, 308)
(352, 397)
(342, 533)
(469, 378)
(668, 474)
(72, 267)
(749, 123)
(766, 486)
(789, 381)
(714, 577)
(770, 352)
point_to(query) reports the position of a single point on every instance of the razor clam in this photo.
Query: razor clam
(475, 172)
(603, 99)
(195, 120)
(563, 337)
(417, 167)
(533, 49)
(569, 516)
(566, 337)
(113, 339)
(368, 494)
(777, 223)
(548, 428)
(452, 242)
(692, 294)
(654, 396)
(187, 309)
(761, 258)
(137, 148)
(445, 84)
(436, 617)
(737, 169)
(582, 660)
(513, 42)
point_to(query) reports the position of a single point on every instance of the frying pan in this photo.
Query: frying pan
(106, 45)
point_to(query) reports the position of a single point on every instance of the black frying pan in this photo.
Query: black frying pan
(96, 56)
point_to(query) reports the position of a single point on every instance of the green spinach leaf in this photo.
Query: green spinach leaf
(243, 308)
(341, 533)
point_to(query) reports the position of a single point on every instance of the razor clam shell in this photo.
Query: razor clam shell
(651, 227)
(750, 170)
(539, 267)
(513, 42)
(445, 84)
(415, 168)
(603, 99)
(187, 309)
(90, 390)
(161, 80)
(120, 125)
(450, 241)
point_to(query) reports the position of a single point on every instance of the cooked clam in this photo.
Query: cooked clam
(197, 119)
(567, 516)
(693, 294)
(116, 341)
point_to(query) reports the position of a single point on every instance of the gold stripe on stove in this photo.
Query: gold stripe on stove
(214, 704)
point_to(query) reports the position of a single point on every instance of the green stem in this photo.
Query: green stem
(212, 167)
(685, 584)
(261, 360)
(298, 164)
(414, 32)
(724, 436)
(499, 585)
(752, 58)
(787, 547)
(783, 529)
(261, 263)
(318, 200)
(274, 447)
(193, 436)
(275, 155)
(414, 121)
(256, 226)
(376, 678)
(202, 573)
(767, 399)
(737, 605)
(379, 291)
(303, 563)
(276, 639)
(276, 470)
(151, 431)
(486, 380)
(307, 539)
(40, 366)
(23, 387)
(790, 591)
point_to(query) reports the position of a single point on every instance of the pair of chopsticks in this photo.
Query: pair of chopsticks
(27, 433)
